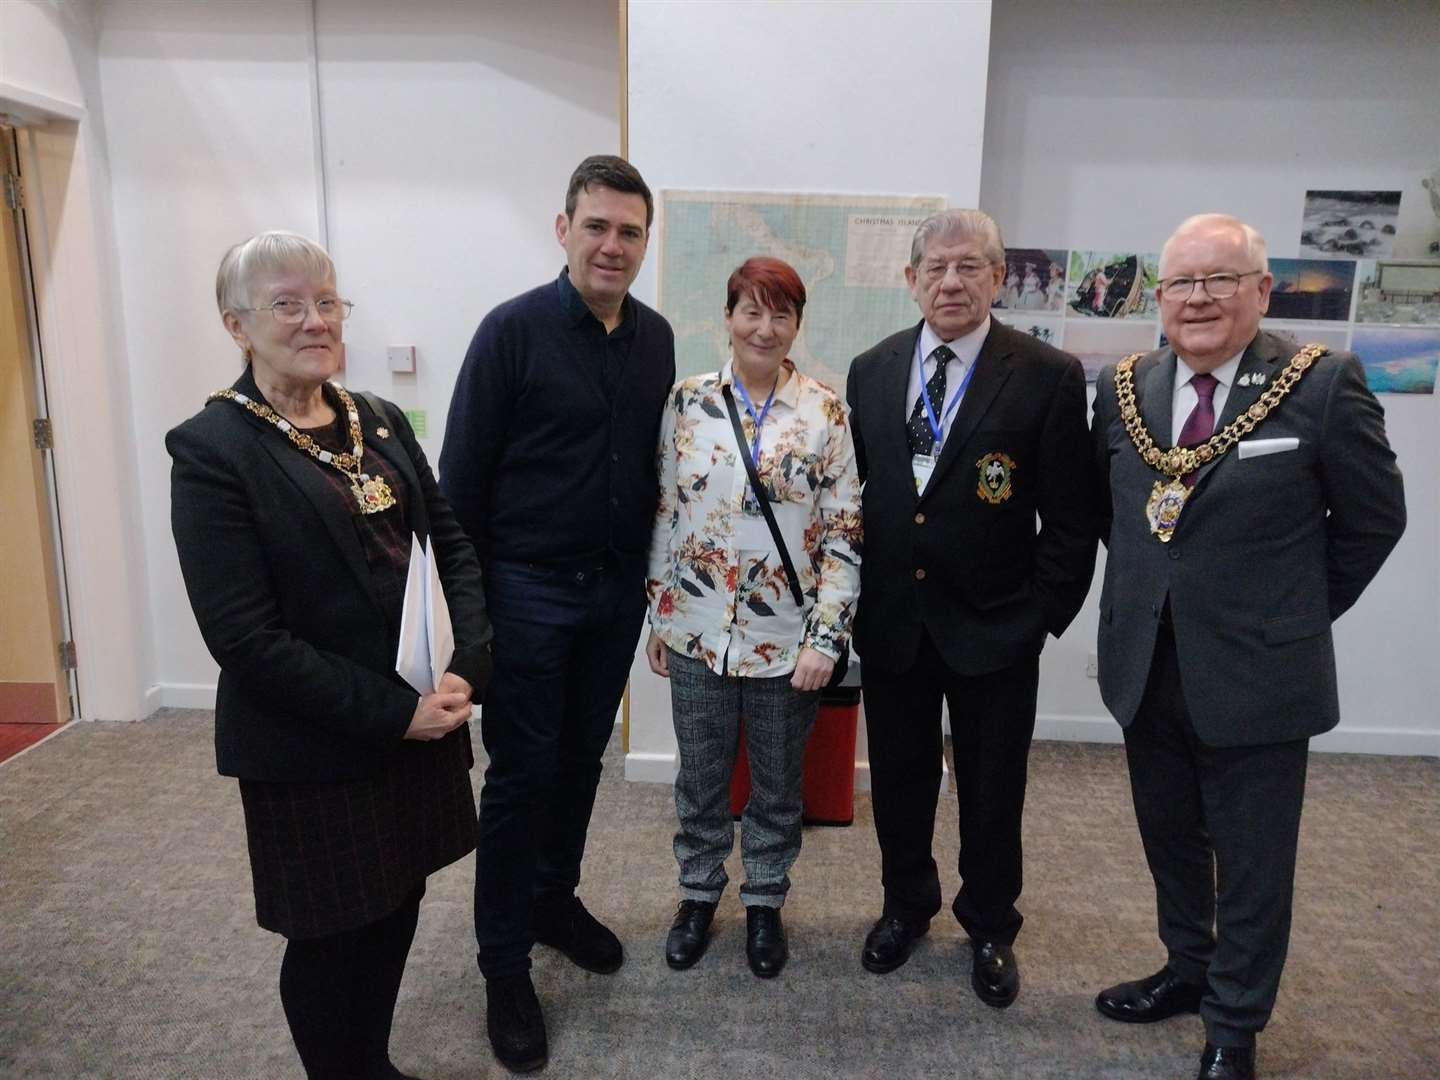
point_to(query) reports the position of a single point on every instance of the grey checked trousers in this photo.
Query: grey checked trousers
(707, 710)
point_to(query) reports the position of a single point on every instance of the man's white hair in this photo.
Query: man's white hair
(1254, 242)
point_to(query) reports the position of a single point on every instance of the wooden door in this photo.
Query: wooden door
(34, 687)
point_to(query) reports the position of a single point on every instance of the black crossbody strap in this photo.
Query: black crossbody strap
(764, 501)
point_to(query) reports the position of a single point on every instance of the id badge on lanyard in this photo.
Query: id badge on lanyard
(922, 466)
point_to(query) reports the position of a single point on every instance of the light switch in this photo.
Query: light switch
(402, 358)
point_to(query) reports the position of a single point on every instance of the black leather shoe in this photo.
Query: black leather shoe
(1145, 1001)
(1227, 1063)
(689, 933)
(993, 973)
(889, 942)
(563, 923)
(515, 1023)
(765, 946)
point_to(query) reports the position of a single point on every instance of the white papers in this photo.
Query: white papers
(427, 640)
(1260, 447)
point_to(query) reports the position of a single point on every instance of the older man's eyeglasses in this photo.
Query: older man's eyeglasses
(935, 269)
(289, 311)
(1217, 286)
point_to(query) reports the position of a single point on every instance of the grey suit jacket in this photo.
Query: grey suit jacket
(1268, 552)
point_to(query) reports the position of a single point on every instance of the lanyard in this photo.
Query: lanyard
(937, 424)
(750, 408)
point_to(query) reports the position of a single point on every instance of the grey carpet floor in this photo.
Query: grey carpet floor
(128, 946)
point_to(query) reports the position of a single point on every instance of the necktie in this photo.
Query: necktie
(1200, 424)
(922, 439)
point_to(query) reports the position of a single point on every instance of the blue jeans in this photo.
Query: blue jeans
(778, 718)
(564, 642)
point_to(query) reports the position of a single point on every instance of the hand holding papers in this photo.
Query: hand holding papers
(427, 640)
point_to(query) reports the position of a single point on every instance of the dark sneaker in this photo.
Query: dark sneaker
(564, 924)
(515, 1023)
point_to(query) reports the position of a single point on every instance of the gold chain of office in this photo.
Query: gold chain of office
(1179, 460)
(372, 493)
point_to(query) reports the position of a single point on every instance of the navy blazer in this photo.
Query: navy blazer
(281, 589)
(985, 577)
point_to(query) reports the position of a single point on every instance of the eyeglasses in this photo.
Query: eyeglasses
(934, 269)
(290, 311)
(1216, 286)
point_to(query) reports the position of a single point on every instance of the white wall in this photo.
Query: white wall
(49, 76)
(1107, 123)
(807, 96)
(448, 134)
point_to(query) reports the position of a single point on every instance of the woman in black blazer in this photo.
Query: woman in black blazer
(293, 506)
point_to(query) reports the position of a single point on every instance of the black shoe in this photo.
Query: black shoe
(689, 933)
(889, 942)
(515, 1023)
(564, 924)
(1145, 1001)
(1227, 1063)
(993, 973)
(765, 941)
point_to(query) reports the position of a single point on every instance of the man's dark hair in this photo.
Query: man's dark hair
(610, 171)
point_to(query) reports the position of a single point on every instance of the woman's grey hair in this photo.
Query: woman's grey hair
(273, 252)
(959, 224)
(1254, 242)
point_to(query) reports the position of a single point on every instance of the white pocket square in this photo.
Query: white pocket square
(1260, 447)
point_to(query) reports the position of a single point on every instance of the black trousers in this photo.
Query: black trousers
(339, 994)
(564, 641)
(1220, 826)
(992, 719)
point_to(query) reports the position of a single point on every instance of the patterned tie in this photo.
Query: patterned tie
(922, 439)
(1200, 424)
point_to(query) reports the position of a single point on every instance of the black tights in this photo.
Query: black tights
(339, 994)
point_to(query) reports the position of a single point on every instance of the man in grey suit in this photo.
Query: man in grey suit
(1252, 496)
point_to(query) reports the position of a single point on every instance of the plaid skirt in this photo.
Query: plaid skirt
(328, 857)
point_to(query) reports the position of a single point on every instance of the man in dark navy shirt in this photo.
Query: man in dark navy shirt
(549, 462)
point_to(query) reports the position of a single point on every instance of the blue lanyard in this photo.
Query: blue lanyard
(937, 423)
(750, 408)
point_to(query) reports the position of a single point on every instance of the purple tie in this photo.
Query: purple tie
(1200, 424)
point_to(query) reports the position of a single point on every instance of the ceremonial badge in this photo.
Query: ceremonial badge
(994, 470)
(1163, 509)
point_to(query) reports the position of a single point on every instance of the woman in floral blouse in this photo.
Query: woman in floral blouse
(726, 629)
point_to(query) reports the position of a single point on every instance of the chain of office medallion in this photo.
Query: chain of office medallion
(347, 463)
(1179, 460)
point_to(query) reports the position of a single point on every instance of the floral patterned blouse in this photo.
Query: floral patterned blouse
(718, 590)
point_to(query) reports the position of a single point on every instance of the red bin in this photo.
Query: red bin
(828, 782)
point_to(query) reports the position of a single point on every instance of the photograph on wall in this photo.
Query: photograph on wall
(1399, 293)
(1096, 344)
(1333, 337)
(1417, 233)
(1034, 280)
(1050, 330)
(850, 251)
(1311, 289)
(1341, 223)
(1398, 360)
(1112, 285)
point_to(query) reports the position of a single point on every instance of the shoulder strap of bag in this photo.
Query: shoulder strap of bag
(763, 499)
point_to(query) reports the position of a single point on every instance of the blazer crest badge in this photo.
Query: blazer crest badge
(995, 470)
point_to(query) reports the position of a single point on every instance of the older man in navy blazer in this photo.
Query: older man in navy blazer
(980, 538)
(1252, 496)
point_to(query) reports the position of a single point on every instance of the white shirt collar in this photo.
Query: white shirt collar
(966, 347)
(1224, 374)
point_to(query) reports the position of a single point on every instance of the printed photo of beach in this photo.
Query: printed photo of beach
(1398, 360)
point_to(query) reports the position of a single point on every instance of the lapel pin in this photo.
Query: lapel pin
(382, 433)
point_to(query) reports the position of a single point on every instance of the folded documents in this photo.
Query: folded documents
(1260, 447)
(427, 640)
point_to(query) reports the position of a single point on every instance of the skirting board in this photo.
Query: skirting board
(660, 768)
